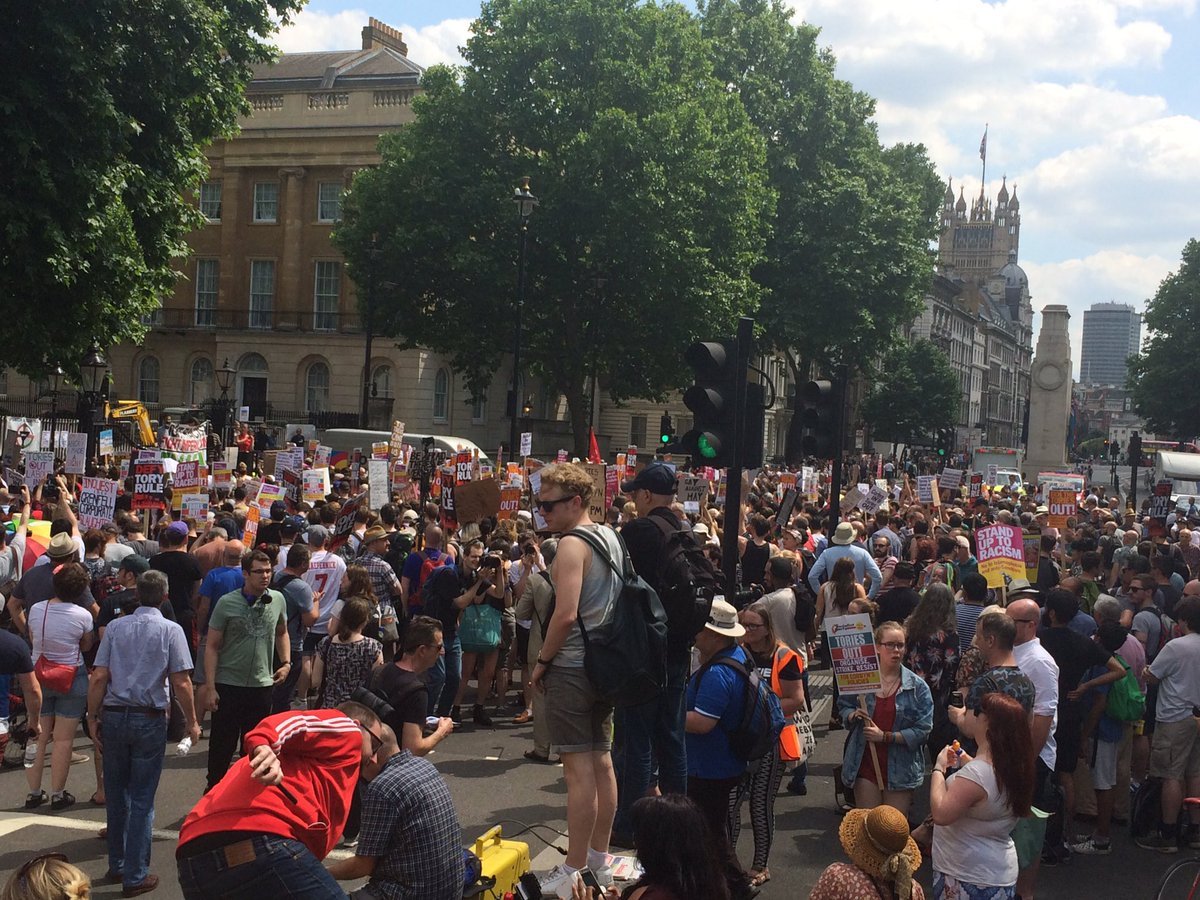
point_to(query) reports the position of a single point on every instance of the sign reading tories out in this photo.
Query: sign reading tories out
(855, 657)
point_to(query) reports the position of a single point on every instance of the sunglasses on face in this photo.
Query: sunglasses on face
(548, 505)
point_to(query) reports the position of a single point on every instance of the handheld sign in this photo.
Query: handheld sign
(148, 484)
(377, 481)
(345, 521)
(76, 453)
(1000, 550)
(250, 532)
(526, 443)
(950, 479)
(875, 496)
(693, 492)
(38, 464)
(926, 488)
(397, 440)
(106, 442)
(97, 502)
(1064, 503)
(855, 658)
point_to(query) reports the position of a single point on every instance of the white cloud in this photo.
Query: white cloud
(311, 30)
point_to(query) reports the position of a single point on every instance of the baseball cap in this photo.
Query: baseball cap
(134, 564)
(317, 536)
(409, 515)
(179, 528)
(657, 478)
(278, 510)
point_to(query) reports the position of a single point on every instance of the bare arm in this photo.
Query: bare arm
(32, 691)
(353, 867)
(182, 683)
(416, 743)
(697, 723)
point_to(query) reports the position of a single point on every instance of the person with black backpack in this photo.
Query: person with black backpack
(667, 555)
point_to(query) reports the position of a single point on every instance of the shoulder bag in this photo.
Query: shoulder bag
(53, 676)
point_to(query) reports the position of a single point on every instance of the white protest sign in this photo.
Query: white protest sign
(925, 488)
(316, 485)
(993, 474)
(526, 443)
(106, 442)
(221, 475)
(76, 453)
(24, 434)
(693, 492)
(268, 494)
(97, 502)
(950, 479)
(195, 506)
(377, 479)
(291, 458)
(875, 496)
(321, 457)
(852, 497)
(38, 464)
(852, 648)
(397, 441)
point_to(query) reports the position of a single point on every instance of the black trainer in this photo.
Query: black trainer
(480, 717)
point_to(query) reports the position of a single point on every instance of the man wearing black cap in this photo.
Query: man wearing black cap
(653, 730)
(269, 532)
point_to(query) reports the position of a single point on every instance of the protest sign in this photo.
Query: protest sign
(321, 457)
(875, 496)
(976, 488)
(268, 494)
(24, 434)
(851, 498)
(596, 504)
(293, 488)
(475, 500)
(195, 506)
(106, 442)
(950, 479)
(377, 481)
(783, 518)
(38, 464)
(97, 502)
(993, 474)
(620, 467)
(379, 449)
(1033, 545)
(855, 658)
(221, 475)
(250, 532)
(76, 460)
(291, 458)
(808, 478)
(1064, 503)
(1000, 550)
(401, 479)
(926, 488)
(396, 444)
(510, 502)
(611, 486)
(148, 478)
(526, 443)
(562, 456)
(315, 485)
(631, 458)
(186, 480)
(693, 492)
(1160, 507)
(344, 524)
(463, 466)
(449, 513)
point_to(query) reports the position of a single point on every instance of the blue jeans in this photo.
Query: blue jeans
(134, 747)
(646, 733)
(444, 678)
(282, 867)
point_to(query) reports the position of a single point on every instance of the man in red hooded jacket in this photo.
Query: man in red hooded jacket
(263, 830)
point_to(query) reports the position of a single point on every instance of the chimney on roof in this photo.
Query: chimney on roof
(377, 34)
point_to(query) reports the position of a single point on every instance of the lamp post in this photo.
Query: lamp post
(368, 326)
(56, 377)
(526, 203)
(92, 371)
(221, 412)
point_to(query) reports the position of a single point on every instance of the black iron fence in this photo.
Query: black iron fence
(306, 321)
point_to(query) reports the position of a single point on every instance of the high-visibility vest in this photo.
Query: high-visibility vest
(790, 748)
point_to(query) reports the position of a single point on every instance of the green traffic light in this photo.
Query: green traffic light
(941, 452)
(705, 445)
(664, 439)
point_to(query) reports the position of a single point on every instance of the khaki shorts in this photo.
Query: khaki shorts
(578, 720)
(1175, 752)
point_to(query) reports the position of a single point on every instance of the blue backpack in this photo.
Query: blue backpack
(757, 733)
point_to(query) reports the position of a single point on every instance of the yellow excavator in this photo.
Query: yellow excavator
(134, 419)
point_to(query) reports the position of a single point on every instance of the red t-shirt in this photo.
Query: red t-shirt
(320, 752)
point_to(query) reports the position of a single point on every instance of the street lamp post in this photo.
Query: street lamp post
(56, 377)
(92, 371)
(369, 327)
(526, 203)
(224, 382)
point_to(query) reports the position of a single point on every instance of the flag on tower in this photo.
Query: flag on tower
(983, 145)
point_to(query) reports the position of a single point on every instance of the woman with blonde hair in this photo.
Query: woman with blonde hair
(47, 877)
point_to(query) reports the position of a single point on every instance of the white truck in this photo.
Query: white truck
(1007, 461)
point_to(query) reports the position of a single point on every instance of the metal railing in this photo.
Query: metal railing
(308, 321)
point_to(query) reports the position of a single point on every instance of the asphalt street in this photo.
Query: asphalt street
(492, 783)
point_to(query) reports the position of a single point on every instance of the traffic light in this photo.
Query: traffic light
(1135, 449)
(813, 431)
(753, 421)
(666, 431)
(711, 400)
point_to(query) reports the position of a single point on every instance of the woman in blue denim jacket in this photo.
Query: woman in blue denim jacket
(897, 722)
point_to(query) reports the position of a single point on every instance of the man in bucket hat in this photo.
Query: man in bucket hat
(715, 697)
(843, 545)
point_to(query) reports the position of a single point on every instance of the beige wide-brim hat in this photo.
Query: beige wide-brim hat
(723, 620)
(844, 534)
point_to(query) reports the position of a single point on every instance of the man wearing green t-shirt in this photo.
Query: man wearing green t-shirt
(247, 631)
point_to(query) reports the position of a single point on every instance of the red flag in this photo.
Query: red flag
(593, 448)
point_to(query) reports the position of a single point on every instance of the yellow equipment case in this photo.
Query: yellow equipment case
(506, 861)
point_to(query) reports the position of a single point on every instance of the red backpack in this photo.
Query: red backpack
(428, 566)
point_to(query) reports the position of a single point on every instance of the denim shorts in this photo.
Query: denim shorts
(70, 705)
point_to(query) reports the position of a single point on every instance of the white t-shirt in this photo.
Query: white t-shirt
(325, 573)
(1178, 667)
(977, 848)
(56, 630)
(1039, 667)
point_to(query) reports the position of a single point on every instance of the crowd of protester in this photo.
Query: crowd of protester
(323, 668)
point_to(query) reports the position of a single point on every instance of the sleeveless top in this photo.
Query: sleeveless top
(600, 588)
(754, 562)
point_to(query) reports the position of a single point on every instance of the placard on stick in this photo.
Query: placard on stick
(855, 657)
(97, 502)
(1000, 550)
(148, 481)
(1064, 503)
(474, 500)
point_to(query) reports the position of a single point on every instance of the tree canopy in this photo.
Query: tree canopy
(107, 108)
(849, 253)
(916, 394)
(654, 203)
(1159, 373)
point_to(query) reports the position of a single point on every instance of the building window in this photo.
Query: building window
(210, 200)
(637, 431)
(441, 396)
(316, 388)
(208, 273)
(262, 292)
(381, 382)
(266, 201)
(329, 201)
(478, 410)
(148, 379)
(3, 381)
(202, 380)
(327, 290)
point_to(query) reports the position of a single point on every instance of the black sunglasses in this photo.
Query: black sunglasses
(548, 505)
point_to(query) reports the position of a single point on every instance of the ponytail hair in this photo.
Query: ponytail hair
(355, 613)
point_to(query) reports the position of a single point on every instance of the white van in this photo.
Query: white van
(346, 439)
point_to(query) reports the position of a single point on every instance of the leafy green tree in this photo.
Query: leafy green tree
(849, 254)
(916, 394)
(1159, 375)
(107, 106)
(652, 189)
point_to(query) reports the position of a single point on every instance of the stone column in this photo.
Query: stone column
(1050, 395)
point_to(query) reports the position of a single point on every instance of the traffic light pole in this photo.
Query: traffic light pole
(1135, 457)
(733, 477)
(839, 449)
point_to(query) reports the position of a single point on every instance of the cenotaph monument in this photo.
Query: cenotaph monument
(1050, 395)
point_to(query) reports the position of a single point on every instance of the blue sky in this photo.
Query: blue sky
(1093, 108)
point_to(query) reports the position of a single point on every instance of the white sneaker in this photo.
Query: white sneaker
(558, 882)
(604, 875)
(1089, 847)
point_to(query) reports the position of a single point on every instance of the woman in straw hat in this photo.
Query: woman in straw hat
(883, 858)
(975, 809)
